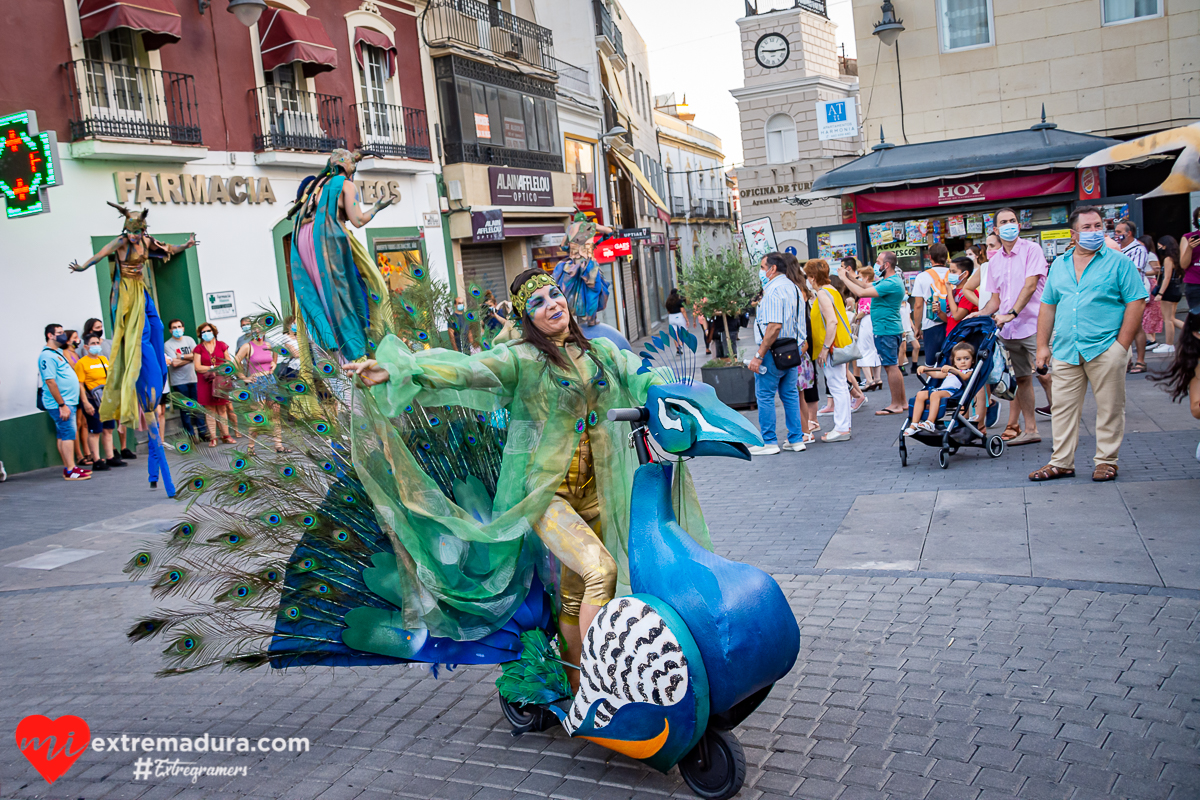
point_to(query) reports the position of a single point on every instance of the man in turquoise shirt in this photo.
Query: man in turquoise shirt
(1093, 303)
(888, 294)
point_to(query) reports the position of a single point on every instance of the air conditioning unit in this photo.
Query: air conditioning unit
(454, 190)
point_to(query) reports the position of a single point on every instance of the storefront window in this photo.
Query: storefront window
(581, 166)
(965, 23)
(1127, 10)
(498, 116)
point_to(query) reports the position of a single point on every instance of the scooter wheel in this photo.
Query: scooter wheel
(715, 768)
(526, 719)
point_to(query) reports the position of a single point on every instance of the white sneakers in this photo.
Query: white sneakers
(797, 447)
(765, 450)
(1164, 348)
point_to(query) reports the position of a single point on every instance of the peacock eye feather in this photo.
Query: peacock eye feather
(233, 538)
(142, 559)
(197, 484)
(238, 464)
(287, 472)
(243, 395)
(292, 612)
(434, 422)
(184, 447)
(273, 519)
(269, 321)
(271, 575)
(307, 565)
(341, 536)
(225, 369)
(327, 466)
(258, 418)
(187, 644)
(418, 273)
(299, 387)
(308, 520)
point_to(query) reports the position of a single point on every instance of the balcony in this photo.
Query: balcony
(393, 131)
(608, 36)
(464, 152)
(576, 79)
(287, 119)
(815, 6)
(479, 26)
(119, 101)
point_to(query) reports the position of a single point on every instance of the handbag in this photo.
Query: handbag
(806, 375)
(786, 352)
(1001, 379)
(847, 353)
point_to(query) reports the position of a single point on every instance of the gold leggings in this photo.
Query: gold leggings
(570, 529)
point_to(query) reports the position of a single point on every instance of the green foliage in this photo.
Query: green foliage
(719, 283)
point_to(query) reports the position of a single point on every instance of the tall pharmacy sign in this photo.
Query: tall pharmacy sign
(28, 165)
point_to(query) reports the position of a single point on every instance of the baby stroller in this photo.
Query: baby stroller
(954, 430)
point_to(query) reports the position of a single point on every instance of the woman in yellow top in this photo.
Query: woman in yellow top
(830, 329)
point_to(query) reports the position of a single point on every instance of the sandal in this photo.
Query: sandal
(1050, 473)
(212, 442)
(1137, 368)
(227, 440)
(1011, 432)
(1105, 472)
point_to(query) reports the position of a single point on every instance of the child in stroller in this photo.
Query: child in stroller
(952, 379)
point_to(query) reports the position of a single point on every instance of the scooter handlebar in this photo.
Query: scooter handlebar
(628, 415)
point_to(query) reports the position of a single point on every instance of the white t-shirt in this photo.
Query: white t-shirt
(923, 288)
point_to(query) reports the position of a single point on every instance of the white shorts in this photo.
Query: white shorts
(678, 320)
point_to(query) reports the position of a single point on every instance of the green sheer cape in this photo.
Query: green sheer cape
(458, 577)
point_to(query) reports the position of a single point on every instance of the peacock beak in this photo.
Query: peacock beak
(689, 420)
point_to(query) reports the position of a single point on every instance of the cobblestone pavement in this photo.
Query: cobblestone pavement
(909, 685)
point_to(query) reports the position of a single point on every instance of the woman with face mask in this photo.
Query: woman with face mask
(207, 358)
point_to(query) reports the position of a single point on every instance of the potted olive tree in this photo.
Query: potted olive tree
(720, 286)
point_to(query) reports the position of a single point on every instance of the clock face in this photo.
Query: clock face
(772, 50)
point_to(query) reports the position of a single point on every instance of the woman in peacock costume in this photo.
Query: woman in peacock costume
(138, 369)
(426, 517)
(579, 276)
(339, 289)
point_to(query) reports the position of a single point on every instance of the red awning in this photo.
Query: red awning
(287, 37)
(158, 20)
(375, 39)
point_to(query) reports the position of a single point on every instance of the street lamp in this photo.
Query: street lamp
(888, 30)
(613, 133)
(246, 11)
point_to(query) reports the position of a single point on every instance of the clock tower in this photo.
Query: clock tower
(790, 63)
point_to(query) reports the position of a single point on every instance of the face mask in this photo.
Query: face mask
(878, 270)
(459, 308)
(62, 339)
(95, 349)
(762, 276)
(207, 336)
(293, 329)
(953, 279)
(1091, 240)
(1009, 231)
(245, 329)
(177, 333)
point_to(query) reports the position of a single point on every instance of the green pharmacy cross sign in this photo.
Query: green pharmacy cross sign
(28, 164)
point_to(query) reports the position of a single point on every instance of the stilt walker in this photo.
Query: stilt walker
(139, 368)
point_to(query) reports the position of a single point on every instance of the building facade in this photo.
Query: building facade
(790, 63)
(697, 184)
(211, 126)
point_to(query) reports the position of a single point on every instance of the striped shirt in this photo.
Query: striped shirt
(1138, 254)
(780, 303)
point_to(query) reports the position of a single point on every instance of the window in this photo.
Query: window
(965, 23)
(376, 94)
(288, 105)
(114, 82)
(581, 166)
(500, 116)
(782, 147)
(1129, 10)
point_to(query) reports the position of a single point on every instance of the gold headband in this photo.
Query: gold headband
(528, 288)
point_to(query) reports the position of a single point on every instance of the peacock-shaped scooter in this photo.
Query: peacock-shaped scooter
(668, 671)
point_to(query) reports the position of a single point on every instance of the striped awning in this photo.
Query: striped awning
(286, 37)
(157, 20)
(375, 39)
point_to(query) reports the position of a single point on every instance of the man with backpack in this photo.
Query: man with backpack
(59, 397)
(929, 303)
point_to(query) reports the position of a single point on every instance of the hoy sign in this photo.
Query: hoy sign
(961, 193)
(1053, 183)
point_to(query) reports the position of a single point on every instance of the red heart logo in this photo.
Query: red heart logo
(50, 744)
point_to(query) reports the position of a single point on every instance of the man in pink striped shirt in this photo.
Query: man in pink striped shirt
(1016, 275)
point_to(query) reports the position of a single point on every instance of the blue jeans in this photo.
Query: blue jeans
(194, 422)
(765, 387)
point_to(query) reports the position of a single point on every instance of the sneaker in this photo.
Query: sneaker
(765, 450)
(795, 447)
(76, 475)
(862, 401)
(1164, 349)
(3, 474)
(1042, 411)
(100, 466)
(116, 461)
(128, 454)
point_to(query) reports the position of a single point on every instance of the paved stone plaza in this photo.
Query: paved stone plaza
(966, 635)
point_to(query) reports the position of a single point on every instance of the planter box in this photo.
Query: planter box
(734, 385)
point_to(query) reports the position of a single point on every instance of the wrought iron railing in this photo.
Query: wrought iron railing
(112, 100)
(469, 153)
(392, 130)
(815, 6)
(577, 79)
(287, 119)
(607, 27)
(480, 26)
